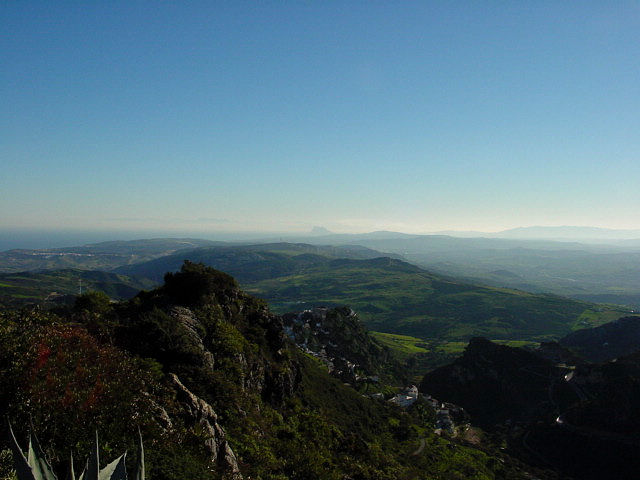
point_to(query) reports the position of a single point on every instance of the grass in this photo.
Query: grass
(594, 317)
(456, 348)
(518, 343)
(401, 344)
(421, 355)
(452, 348)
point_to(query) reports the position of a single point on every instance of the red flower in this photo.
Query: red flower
(43, 355)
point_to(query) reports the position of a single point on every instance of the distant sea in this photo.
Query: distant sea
(10, 239)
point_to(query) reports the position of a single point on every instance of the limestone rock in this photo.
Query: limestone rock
(200, 413)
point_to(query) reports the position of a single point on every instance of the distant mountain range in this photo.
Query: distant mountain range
(588, 271)
(558, 233)
(569, 233)
(565, 233)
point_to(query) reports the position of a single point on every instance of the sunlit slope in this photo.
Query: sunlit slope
(394, 296)
(251, 263)
(389, 295)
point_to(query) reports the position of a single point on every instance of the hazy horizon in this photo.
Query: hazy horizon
(354, 116)
(37, 238)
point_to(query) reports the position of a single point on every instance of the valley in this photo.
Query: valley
(390, 295)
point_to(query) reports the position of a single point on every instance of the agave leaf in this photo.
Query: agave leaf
(91, 472)
(37, 460)
(115, 470)
(72, 473)
(23, 469)
(139, 472)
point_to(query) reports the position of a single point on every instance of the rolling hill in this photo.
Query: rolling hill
(250, 263)
(52, 285)
(389, 295)
(592, 272)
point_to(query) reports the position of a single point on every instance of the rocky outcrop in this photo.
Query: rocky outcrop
(199, 413)
(194, 330)
(339, 340)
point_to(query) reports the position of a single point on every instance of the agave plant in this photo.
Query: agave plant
(36, 467)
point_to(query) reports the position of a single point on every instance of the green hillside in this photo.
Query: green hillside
(598, 273)
(393, 296)
(389, 295)
(251, 263)
(38, 287)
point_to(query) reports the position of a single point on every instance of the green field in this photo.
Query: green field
(401, 344)
(421, 356)
(405, 345)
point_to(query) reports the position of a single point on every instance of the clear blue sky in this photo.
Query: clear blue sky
(411, 116)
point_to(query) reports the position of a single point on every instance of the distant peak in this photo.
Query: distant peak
(320, 231)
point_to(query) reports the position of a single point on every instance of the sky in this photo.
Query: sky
(356, 116)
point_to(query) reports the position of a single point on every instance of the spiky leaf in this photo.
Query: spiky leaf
(23, 469)
(139, 472)
(92, 470)
(72, 473)
(37, 460)
(116, 470)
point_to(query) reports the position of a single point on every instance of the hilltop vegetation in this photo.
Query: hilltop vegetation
(171, 357)
(251, 263)
(396, 297)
